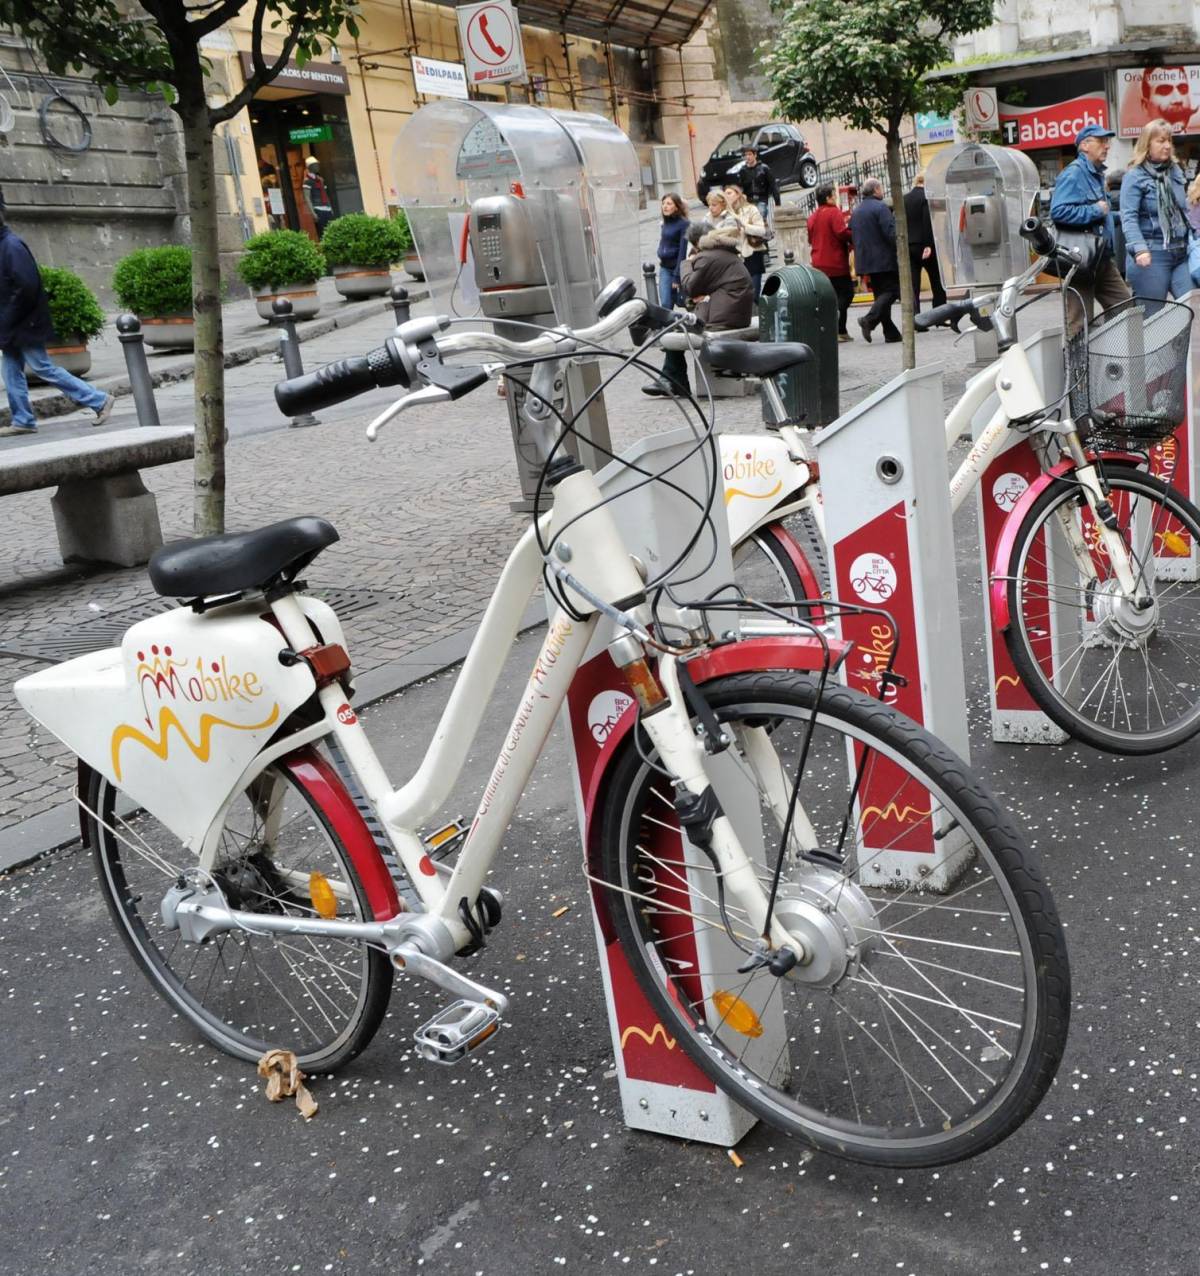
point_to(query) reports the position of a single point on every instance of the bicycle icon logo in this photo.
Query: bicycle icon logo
(1007, 490)
(873, 578)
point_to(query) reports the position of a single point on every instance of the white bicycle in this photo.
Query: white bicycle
(904, 1022)
(1096, 579)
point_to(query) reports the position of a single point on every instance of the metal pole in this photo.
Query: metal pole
(289, 352)
(401, 304)
(649, 276)
(129, 334)
(789, 256)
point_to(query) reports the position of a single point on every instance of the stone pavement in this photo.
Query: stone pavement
(423, 515)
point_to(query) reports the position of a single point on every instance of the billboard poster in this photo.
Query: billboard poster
(1170, 93)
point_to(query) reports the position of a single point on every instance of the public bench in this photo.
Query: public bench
(724, 387)
(102, 510)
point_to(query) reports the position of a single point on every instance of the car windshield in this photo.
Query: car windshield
(735, 142)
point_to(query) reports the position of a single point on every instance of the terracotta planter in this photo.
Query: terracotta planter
(306, 301)
(412, 264)
(170, 332)
(356, 282)
(75, 359)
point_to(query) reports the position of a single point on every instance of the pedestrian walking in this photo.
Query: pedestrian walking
(672, 248)
(1193, 198)
(922, 251)
(715, 277)
(1154, 217)
(25, 328)
(873, 228)
(719, 218)
(316, 194)
(752, 234)
(759, 183)
(1079, 208)
(829, 243)
(1112, 183)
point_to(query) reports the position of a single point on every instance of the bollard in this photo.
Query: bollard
(289, 352)
(650, 280)
(401, 304)
(129, 334)
(789, 256)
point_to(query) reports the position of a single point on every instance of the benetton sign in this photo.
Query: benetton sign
(1032, 128)
(312, 77)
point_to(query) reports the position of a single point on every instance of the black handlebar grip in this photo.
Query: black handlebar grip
(334, 383)
(951, 310)
(1039, 235)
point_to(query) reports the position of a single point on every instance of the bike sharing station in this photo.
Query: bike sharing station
(521, 215)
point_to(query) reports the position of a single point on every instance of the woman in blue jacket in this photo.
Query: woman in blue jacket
(672, 248)
(1154, 217)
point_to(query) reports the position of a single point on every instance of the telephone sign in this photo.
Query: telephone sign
(491, 42)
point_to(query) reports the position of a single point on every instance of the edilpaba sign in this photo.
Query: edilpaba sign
(491, 42)
(439, 79)
(1034, 128)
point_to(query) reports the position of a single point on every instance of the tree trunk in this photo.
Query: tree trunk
(896, 182)
(208, 484)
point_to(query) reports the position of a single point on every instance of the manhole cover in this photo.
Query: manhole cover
(107, 630)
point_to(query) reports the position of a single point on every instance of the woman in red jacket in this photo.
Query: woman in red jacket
(829, 240)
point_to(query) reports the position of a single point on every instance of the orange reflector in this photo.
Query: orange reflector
(734, 1012)
(322, 896)
(434, 840)
(1176, 543)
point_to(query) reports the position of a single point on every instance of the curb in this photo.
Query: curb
(168, 374)
(55, 830)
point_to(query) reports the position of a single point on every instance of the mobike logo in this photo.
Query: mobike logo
(1030, 128)
(749, 467)
(605, 711)
(1007, 490)
(345, 715)
(873, 578)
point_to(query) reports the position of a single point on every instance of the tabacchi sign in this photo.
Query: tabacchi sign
(1032, 128)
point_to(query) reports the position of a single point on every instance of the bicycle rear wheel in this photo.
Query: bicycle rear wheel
(1118, 676)
(784, 560)
(320, 997)
(933, 1014)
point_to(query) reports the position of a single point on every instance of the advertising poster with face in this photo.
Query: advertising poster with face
(1170, 93)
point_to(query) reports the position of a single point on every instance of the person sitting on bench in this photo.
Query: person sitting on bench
(716, 279)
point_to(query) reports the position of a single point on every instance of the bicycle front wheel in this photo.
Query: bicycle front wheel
(1121, 674)
(320, 997)
(932, 1013)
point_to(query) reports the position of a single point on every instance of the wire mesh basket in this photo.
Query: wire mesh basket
(1127, 373)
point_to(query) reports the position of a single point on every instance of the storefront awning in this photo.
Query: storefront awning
(634, 24)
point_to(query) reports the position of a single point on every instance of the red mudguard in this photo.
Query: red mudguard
(1002, 559)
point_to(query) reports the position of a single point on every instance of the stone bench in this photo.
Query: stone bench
(723, 387)
(102, 510)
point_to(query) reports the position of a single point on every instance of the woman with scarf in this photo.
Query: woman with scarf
(1154, 217)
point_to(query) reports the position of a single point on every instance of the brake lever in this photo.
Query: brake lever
(428, 394)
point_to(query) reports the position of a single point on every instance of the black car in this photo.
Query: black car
(781, 147)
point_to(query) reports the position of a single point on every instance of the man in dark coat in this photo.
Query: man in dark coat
(25, 328)
(757, 182)
(922, 251)
(874, 230)
(716, 278)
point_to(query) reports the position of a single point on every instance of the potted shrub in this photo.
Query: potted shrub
(283, 263)
(156, 285)
(361, 249)
(412, 262)
(76, 316)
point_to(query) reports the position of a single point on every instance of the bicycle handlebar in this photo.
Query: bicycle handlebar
(337, 382)
(951, 311)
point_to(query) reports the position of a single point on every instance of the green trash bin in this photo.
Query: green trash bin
(798, 304)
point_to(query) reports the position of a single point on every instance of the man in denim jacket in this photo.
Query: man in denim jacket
(1080, 203)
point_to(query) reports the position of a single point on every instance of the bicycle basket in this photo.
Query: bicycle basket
(1127, 373)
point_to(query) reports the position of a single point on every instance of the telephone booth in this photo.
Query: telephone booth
(522, 214)
(978, 197)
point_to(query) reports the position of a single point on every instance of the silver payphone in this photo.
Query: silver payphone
(521, 215)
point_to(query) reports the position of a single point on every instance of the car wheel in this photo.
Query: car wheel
(702, 192)
(808, 173)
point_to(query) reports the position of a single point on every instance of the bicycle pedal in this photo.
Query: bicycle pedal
(446, 840)
(453, 1033)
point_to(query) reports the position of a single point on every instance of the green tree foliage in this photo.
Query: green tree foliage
(155, 283)
(865, 62)
(277, 258)
(154, 45)
(358, 239)
(74, 310)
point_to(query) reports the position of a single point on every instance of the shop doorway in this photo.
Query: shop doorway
(287, 132)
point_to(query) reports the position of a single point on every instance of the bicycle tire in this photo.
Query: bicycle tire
(828, 1120)
(787, 553)
(1114, 651)
(133, 891)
